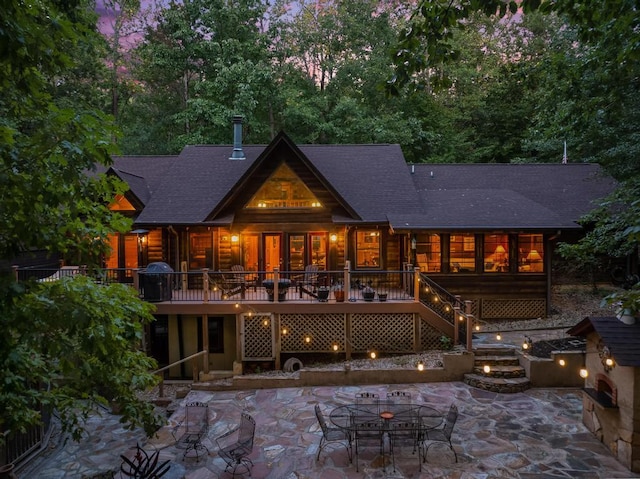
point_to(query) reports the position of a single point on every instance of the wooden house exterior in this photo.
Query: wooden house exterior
(483, 233)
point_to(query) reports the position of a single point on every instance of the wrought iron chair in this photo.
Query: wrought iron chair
(406, 432)
(194, 428)
(237, 444)
(367, 429)
(367, 398)
(308, 281)
(399, 396)
(331, 435)
(443, 434)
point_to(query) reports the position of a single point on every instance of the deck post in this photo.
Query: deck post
(276, 279)
(456, 325)
(346, 278)
(416, 284)
(205, 285)
(467, 310)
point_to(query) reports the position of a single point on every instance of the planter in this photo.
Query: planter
(368, 295)
(6, 472)
(382, 297)
(339, 295)
(323, 294)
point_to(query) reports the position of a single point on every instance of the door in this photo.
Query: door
(272, 251)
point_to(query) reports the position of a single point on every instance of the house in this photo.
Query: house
(611, 397)
(230, 220)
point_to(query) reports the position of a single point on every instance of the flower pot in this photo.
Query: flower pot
(323, 294)
(368, 295)
(339, 295)
(382, 297)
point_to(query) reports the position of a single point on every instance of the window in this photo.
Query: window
(200, 250)
(530, 253)
(367, 249)
(284, 189)
(496, 253)
(462, 253)
(216, 335)
(428, 253)
(319, 249)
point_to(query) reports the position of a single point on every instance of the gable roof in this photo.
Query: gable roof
(505, 196)
(621, 339)
(374, 185)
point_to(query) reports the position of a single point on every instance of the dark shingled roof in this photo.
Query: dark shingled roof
(621, 339)
(376, 183)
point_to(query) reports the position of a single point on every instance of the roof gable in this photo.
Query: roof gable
(621, 339)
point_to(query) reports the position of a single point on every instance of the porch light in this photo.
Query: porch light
(584, 373)
(372, 355)
(237, 305)
(334, 238)
(235, 238)
(527, 343)
(486, 369)
(562, 362)
(461, 318)
(607, 359)
(316, 204)
(420, 366)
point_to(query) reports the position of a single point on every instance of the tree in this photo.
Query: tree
(73, 336)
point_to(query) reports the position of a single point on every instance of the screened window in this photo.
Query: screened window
(428, 253)
(530, 253)
(496, 253)
(367, 249)
(284, 189)
(462, 253)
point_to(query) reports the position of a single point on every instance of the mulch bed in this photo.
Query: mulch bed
(543, 349)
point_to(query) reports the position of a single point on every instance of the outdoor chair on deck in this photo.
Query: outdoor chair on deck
(331, 435)
(443, 434)
(237, 444)
(234, 282)
(193, 429)
(308, 281)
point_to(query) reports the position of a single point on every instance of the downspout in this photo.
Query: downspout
(176, 265)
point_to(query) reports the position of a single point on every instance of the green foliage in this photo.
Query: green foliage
(144, 465)
(78, 340)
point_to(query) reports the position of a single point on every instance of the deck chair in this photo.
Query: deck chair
(236, 445)
(194, 428)
(233, 282)
(443, 434)
(331, 435)
(308, 281)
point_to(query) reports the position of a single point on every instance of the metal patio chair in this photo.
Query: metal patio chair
(399, 396)
(193, 429)
(443, 434)
(332, 435)
(236, 445)
(406, 432)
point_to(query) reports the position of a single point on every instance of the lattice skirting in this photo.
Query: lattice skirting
(514, 308)
(258, 335)
(382, 332)
(312, 333)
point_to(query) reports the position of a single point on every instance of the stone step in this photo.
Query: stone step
(496, 361)
(498, 385)
(494, 351)
(501, 371)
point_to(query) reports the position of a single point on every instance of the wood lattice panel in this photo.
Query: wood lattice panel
(514, 308)
(382, 332)
(323, 331)
(429, 336)
(257, 335)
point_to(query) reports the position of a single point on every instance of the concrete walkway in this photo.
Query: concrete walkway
(535, 434)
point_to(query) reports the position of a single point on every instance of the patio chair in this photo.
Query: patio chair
(331, 435)
(443, 434)
(367, 398)
(399, 396)
(237, 444)
(308, 281)
(367, 429)
(405, 432)
(194, 428)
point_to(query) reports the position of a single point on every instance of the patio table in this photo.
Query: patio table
(283, 286)
(382, 417)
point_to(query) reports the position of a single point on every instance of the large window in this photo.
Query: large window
(319, 249)
(200, 250)
(530, 253)
(428, 253)
(496, 253)
(462, 253)
(284, 189)
(367, 249)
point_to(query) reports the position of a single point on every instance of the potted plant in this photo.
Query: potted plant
(338, 292)
(368, 293)
(323, 293)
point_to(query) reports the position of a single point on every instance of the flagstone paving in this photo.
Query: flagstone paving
(534, 434)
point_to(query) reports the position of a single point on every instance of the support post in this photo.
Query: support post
(467, 310)
(416, 284)
(205, 285)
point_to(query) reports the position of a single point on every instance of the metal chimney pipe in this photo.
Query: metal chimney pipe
(237, 154)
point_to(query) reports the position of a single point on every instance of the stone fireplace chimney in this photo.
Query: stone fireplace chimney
(237, 154)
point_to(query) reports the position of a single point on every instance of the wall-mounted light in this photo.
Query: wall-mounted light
(562, 362)
(420, 366)
(333, 237)
(527, 343)
(414, 243)
(235, 238)
(584, 373)
(606, 358)
(372, 354)
(499, 337)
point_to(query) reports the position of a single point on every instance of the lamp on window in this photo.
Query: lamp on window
(534, 256)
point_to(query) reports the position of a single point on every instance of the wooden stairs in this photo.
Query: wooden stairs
(505, 375)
